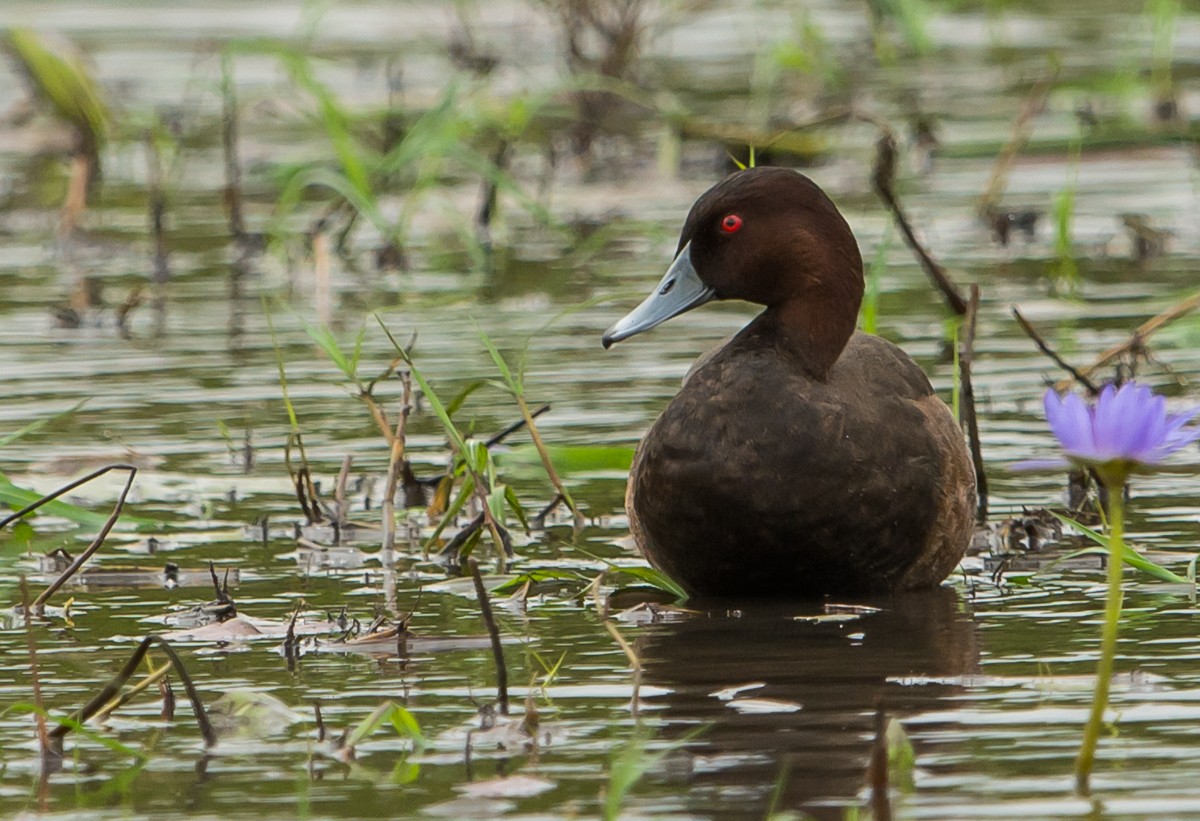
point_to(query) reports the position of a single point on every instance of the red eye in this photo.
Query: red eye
(731, 224)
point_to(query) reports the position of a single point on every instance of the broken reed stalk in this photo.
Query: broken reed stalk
(322, 278)
(113, 688)
(965, 358)
(82, 170)
(366, 393)
(306, 491)
(167, 692)
(877, 771)
(396, 465)
(229, 145)
(1044, 347)
(1139, 336)
(489, 620)
(488, 196)
(340, 507)
(883, 180)
(291, 644)
(630, 653)
(626, 648)
(158, 210)
(302, 483)
(1022, 130)
(40, 602)
(34, 678)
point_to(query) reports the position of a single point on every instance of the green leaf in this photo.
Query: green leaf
(514, 504)
(435, 403)
(103, 738)
(34, 427)
(476, 455)
(406, 724)
(468, 547)
(1129, 555)
(464, 493)
(336, 122)
(369, 724)
(543, 575)
(328, 343)
(454, 404)
(649, 575)
(512, 383)
(64, 81)
(405, 772)
(571, 458)
(18, 497)
(654, 578)
(496, 501)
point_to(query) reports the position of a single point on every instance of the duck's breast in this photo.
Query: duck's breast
(855, 482)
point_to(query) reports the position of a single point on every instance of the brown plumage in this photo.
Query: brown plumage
(802, 458)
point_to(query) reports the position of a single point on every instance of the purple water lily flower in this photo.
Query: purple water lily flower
(1127, 427)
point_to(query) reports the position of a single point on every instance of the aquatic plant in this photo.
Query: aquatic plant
(1066, 270)
(868, 312)
(515, 385)
(384, 167)
(909, 19)
(1126, 431)
(1164, 17)
(59, 77)
(602, 40)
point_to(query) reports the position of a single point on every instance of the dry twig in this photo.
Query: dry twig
(882, 179)
(1044, 347)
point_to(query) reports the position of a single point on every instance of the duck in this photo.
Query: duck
(803, 458)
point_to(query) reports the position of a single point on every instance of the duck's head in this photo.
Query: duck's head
(770, 236)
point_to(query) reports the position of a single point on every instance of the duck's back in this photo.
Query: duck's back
(759, 480)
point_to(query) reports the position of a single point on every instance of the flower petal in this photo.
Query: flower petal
(1176, 435)
(1116, 423)
(1071, 422)
(1147, 427)
(1057, 463)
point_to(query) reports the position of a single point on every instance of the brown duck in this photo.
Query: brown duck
(803, 457)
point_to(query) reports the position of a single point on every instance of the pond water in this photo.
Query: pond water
(740, 709)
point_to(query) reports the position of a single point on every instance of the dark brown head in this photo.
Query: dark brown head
(770, 236)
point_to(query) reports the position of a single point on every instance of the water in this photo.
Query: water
(735, 701)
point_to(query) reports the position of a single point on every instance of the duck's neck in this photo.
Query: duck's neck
(811, 331)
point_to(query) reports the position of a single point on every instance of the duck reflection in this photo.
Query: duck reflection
(794, 688)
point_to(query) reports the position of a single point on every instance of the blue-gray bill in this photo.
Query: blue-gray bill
(680, 290)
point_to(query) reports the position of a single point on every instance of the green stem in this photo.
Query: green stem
(1108, 637)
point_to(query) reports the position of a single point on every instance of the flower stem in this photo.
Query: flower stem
(1108, 637)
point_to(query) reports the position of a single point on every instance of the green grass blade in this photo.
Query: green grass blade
(513, 384)
(1129, 555)
(34, 427)
(328, 343)
(64, 81)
